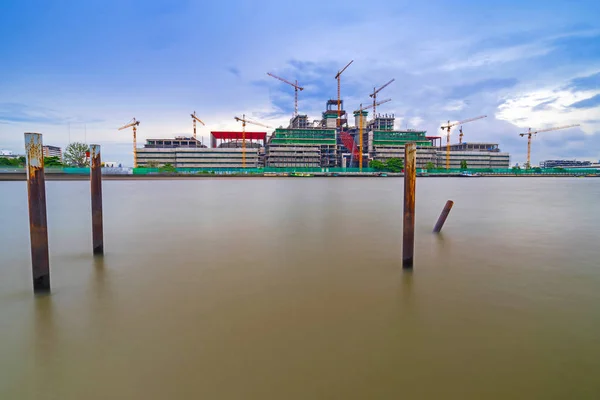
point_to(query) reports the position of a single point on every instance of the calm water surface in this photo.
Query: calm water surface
(293, 289)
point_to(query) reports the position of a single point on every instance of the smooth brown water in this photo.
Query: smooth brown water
(293, 289)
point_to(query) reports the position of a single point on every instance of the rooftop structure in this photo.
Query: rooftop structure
(330, 115)
(299, 122)
(383, 122)
(221, 138)
(475, 146)
(178, 141)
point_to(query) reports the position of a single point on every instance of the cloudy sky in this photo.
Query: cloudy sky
(93, 65)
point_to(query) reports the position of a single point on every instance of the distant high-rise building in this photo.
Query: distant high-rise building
(53, 151)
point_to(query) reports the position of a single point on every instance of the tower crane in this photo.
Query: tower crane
(296, 88)
(374, 96)
(245, 121)
(194, 118)
(530, 133)
(133, 124)
(339, 99)
(360, 129)
(447, 129)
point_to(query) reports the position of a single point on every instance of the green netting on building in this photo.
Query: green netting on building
(303, 136)
(399, 138)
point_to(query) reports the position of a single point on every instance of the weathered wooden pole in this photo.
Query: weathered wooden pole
(410, 178)
(38, 226)
(96, 189)
(440, 222)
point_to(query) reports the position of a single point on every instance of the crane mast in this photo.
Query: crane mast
(296, 88)
(530, 133)
(195, 118)
(447, 129)
(133, 124)
(339, 99)
(374, 96)
(360, 129)
(245, 121)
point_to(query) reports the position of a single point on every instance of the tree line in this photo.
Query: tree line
(75, 155)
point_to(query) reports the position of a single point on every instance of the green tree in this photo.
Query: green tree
(52, 162)
(152, 164)
(429, 165)
(394, 164)
(377, 165)
(167, 168)
(10, 162)
(75, 154)
(463, 164)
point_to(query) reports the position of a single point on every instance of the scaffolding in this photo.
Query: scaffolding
(301, 148)
(400, 138)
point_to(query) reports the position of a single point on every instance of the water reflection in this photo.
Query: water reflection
(297, 291)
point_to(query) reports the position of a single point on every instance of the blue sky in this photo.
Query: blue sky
(94, 65)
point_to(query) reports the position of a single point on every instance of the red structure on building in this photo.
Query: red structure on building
(226, 137)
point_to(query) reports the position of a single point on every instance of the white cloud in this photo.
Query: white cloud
(520, 109)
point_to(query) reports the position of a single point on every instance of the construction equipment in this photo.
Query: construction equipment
(530, 133)
(245, 121)
(339, 99)
(194, 118)
(374, 96)
(133, 124)
(296, 88)
(360, 129)
(447, 129)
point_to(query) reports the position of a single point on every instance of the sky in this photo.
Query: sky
(78, 70)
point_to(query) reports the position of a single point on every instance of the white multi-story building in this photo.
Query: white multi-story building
(53, 151)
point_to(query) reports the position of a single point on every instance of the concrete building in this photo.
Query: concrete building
(201, 157)
(390, 144)
(474, 159)
(313, 147)
(477, 155)
(565, 164)
(171, 143)
(187, 152)
(53, 151)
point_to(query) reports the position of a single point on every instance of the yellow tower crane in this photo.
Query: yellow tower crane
(374, 96)
(530, 133)
(133, 124)
(360, 129)
(339, 99)
(447, 129)
(245, 121)
(194, 118)
(296, 88)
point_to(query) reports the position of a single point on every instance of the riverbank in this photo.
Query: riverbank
(122, 177)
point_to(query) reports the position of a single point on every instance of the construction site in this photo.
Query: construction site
(333, 141)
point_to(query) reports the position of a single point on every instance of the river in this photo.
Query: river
(274, 288)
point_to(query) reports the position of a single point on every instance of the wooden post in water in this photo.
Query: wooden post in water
(96, 189)
(440, 222)
(38, 226)
(410, 178)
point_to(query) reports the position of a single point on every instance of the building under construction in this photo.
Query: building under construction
(328, 142)
(186, 152)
